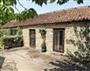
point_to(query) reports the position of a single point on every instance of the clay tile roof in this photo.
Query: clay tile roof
(74, 14)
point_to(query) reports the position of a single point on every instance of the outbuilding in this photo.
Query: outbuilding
(57, 31)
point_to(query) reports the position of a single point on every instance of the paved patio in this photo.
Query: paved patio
(26, 59)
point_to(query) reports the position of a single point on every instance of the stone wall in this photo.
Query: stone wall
(69, 34)
(26, 37)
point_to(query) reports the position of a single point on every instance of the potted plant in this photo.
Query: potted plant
(43, 45)
(43, 33)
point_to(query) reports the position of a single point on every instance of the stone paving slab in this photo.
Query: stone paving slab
(21, 59)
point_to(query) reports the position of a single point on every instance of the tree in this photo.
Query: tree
(7, 12)
(82, 55)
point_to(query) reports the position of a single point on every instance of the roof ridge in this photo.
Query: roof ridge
(79, 7)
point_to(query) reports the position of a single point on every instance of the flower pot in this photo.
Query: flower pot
(43, 49)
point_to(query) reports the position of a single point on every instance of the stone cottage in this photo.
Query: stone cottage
(59, 27)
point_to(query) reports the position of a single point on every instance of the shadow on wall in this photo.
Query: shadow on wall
(66, 66)
(82, 55)
(1, 61)
(80, 59)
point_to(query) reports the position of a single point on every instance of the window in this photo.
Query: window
(13, 31)
(58, 40)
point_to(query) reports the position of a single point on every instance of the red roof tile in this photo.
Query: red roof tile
(74, 14)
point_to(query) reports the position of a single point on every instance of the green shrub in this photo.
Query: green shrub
(1, 38)
(82, 55)
(11, 42)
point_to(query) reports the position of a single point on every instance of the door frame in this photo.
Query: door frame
(32, 38)
(60, 29)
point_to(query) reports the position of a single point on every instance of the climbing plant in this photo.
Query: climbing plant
(43, 35)
(1, 38)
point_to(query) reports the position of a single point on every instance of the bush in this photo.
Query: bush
(10, 42)
(43, 46)
(82, 56)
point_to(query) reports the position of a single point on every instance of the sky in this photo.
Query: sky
(50, 7)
